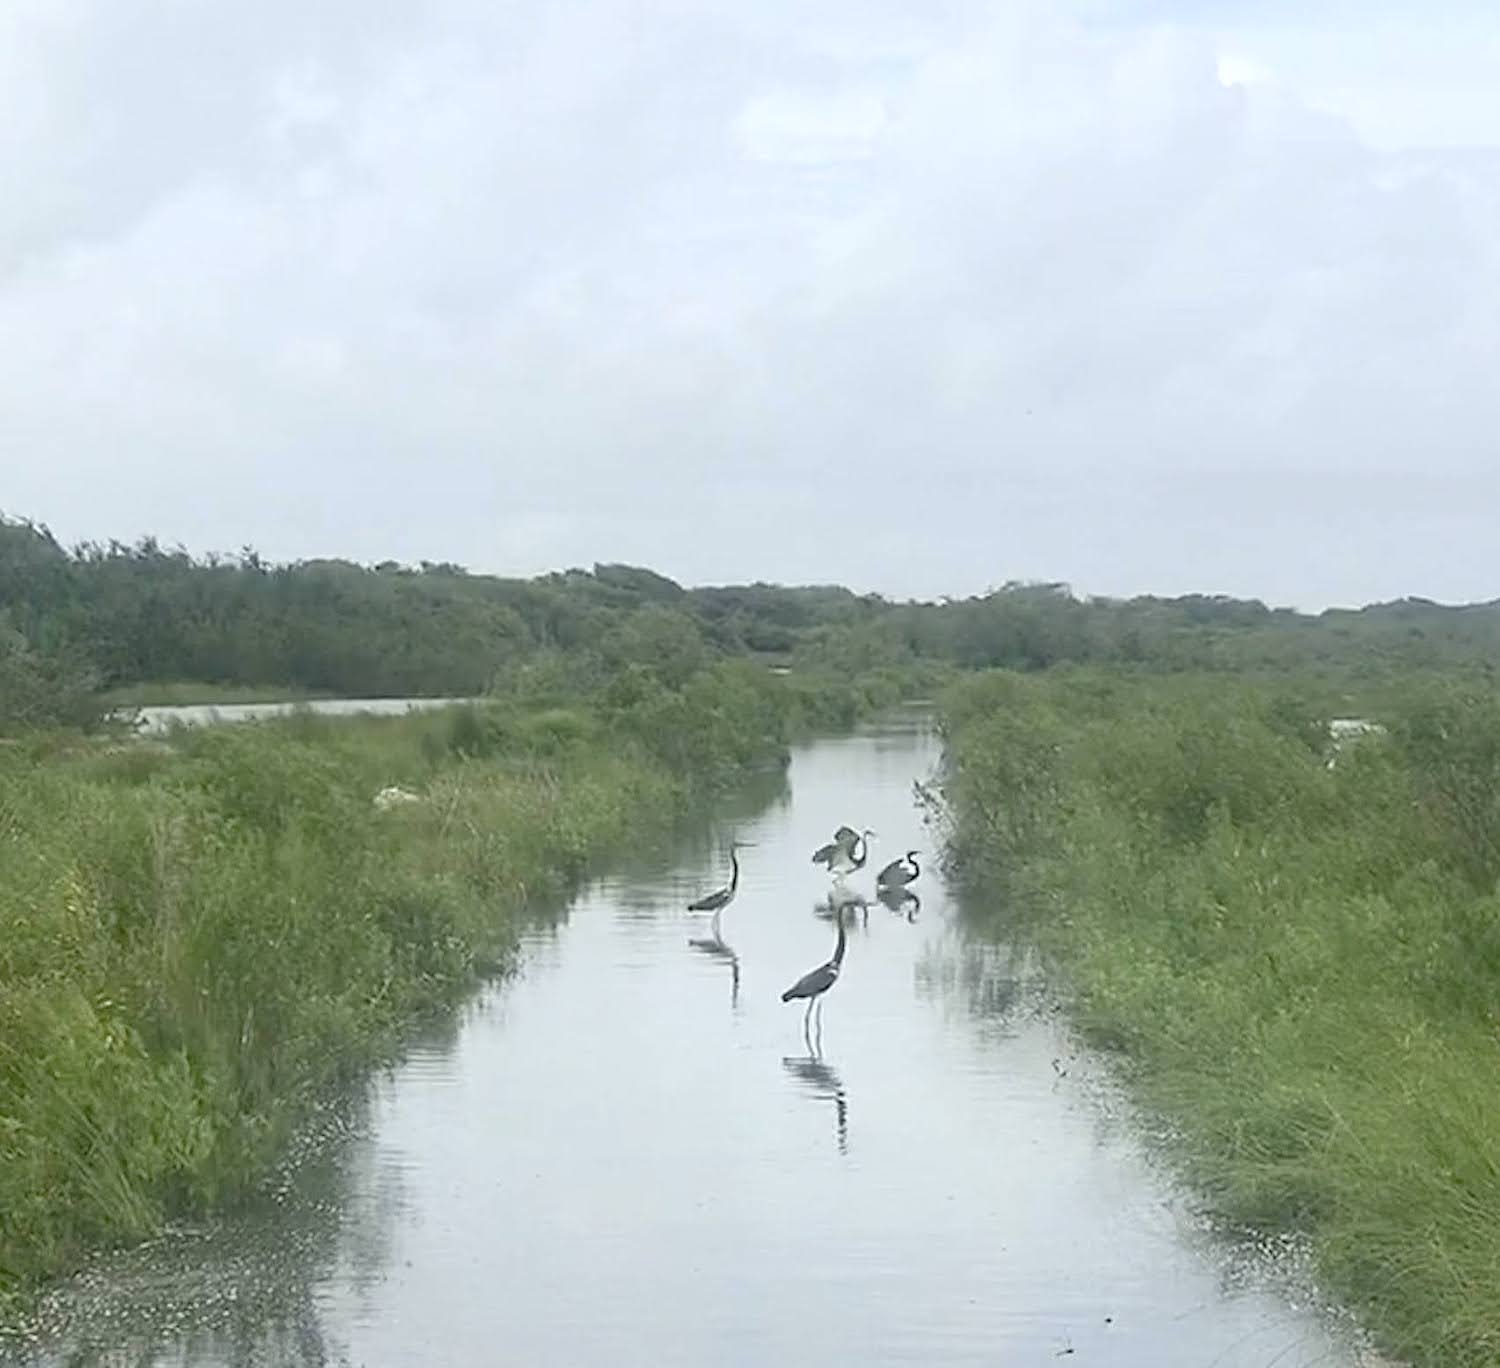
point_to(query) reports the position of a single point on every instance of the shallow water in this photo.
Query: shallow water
(628, 1155)
(155, 719)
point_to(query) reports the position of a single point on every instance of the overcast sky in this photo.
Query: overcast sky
(1145, 295)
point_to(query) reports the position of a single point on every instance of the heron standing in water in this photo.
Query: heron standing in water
(900, 873)
(720, 898)
(813, 985)
(844, 836)
(849, 858)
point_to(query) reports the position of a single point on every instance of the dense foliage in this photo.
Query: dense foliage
(1294, 945)
(140, 614)
(124, 617)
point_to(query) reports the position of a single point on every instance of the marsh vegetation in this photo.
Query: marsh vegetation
(1289, 940)
(202, 933)
(1292, 949)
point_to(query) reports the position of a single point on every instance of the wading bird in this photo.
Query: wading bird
(720, 898)
(900, 873)
(848, 858)
(844, 836)
(813, 985)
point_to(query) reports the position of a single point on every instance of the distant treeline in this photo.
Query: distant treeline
(77, 621)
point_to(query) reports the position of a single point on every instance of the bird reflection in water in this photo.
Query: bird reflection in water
(842, 898)
(715, 945)
(902, 901)
(822, 1081)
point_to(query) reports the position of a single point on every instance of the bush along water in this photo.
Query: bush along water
(1295, 951)
(201, 936)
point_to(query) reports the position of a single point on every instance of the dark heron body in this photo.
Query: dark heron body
(720, 898)
(848, 858)
(899, 873)
(844, 837)
(813, 985)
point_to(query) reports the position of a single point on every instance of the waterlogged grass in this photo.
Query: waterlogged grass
(200, 936)
(1298, 965)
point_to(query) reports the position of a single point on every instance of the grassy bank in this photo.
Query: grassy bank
(1298, 965)
(201, 935)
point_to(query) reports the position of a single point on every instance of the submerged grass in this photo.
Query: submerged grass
(198, 937)
(1298, 964)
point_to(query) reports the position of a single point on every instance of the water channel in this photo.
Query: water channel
(154, 719)
(626, 1154)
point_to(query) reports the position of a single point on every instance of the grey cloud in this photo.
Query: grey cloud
(921, 304)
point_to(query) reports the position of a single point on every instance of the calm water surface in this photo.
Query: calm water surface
(157, 718)
(627, 1155)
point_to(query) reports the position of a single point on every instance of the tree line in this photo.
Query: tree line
(75, 622)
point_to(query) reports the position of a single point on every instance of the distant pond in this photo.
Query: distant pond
(156, 720)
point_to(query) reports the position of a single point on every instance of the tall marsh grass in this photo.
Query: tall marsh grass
(1298, 964)
(198, 936)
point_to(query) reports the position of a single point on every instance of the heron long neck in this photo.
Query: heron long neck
(916, 869)
(734, 869)
(838, 949)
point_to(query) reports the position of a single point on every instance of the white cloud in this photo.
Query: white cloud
(930, 300)
(1235, 69)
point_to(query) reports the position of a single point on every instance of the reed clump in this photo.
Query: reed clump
(1297, 962)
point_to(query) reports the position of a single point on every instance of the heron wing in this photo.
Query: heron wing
(711, 902)
(811, 984)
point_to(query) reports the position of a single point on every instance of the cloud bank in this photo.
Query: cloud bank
(917, 298)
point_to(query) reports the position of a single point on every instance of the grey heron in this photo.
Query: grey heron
(848, 858)
(815, 983)
(720, 898)
(843, 837)
(900, 873)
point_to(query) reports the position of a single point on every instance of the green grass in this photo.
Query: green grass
(1298, 966)
(201, 936)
